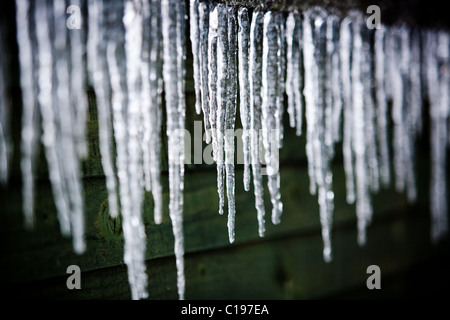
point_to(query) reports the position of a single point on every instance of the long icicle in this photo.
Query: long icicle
(222, 98)
(345, 51)
(408, 149)
(203, 24)
(369, 114)
(79, 104)
(244, 90)
(173, 28)
(363, 207)
(436, 55)
(151, 102)
(156, 85)
(30, 111)
(382, 119)
(45, 100)
(255, 75)
(293, 72)
(335, 78)
(146, 94)
(310, 92)
(399, 134)
(212, 86)
(67, 137)
(133, 227)
(319, 153)
(230, 119)
(270, 110)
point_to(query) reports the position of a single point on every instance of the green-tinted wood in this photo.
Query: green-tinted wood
(289, 267)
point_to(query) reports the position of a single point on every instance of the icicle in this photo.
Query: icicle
(30, 112)
(78, 97)
(59, 138)
(382, 121)
(156, 85)
(212, 82)
(310, 92)
(173, 27)
(369, 113)
(48, 117)
(115, 55)
(399, 135)
(195, 43)
(363, 206)
(116, 65)
(330, 99)
(318, 153)
(440, 188)
(437, 63)
(99, 74)
(416, 84)
(281, 87)
(50, 63)
(146, 96)
(399, 47)
(133, 226)
(203, 10)
(230, 118)
(255, 74)
(293, 71)
(66, 143)
(335, 76)
(409, 112)
(244, 91)
(151, 102)
(270, 110)
(345, 50)
(222, 98)
(5, 137)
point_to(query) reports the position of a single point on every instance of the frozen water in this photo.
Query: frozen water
(230, 117)
(318, 153)
(351, 74)
(244, 90)
(293, 71)
(255, 75)
(30, 112)
(270, 107)
(173, 28)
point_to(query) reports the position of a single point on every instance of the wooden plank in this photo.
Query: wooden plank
(43, 253)
(288, 267)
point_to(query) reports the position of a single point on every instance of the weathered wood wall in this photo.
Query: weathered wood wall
(286, 264)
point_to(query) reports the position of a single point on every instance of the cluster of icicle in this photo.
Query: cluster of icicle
(125, 47)
(126, 68)
(345, 73)
(231, 48)
(54, 99)
(337, 70)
